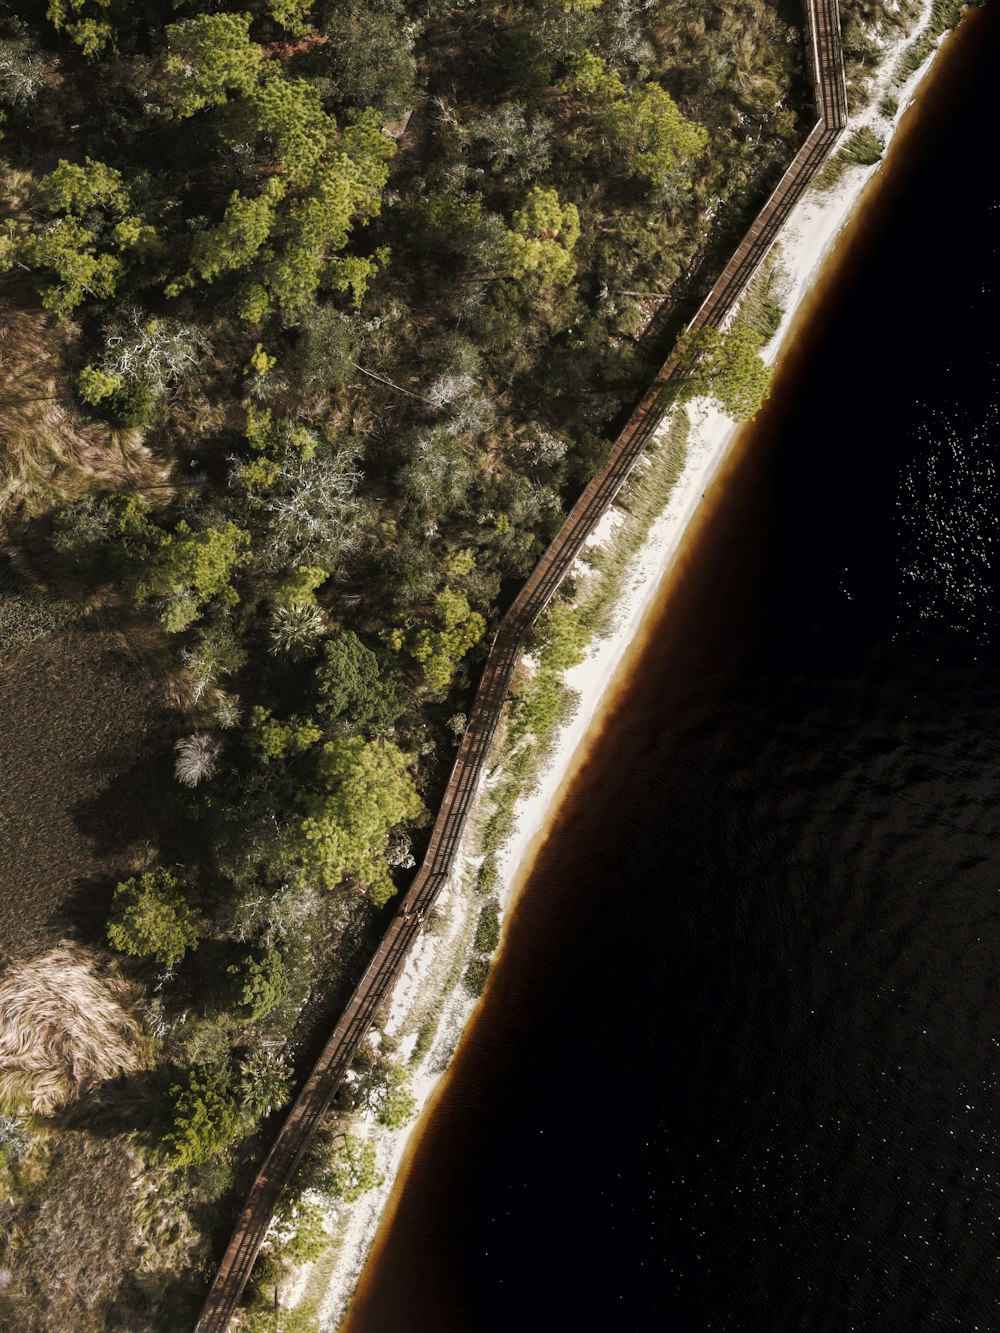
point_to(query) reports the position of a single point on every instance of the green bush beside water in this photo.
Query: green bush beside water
(862, 148)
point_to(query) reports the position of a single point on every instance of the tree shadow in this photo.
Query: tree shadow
(82, 914)
(129, 806)
(134, 1103)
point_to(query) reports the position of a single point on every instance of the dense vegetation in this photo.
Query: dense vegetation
(341, 304)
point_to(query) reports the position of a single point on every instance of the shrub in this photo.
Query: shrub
(304, 1318)
(488, 875)
(299, 1230)
(152, 918)
(862, 148)
(488, 927)
(476, 976)
(264, 1085)
(206, 1117)
(15, 1139)
(197, 756)
(188, 568)
(296, 630)
(260, 984)
(726, 367)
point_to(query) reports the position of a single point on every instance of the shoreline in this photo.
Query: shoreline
(429, 990)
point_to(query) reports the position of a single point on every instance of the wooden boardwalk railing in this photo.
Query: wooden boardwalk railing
(827, 69)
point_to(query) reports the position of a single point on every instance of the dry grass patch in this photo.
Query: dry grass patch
(65, 1027)
(97, 1244)
(50, 451)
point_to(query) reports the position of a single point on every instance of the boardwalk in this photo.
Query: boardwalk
(826, 65)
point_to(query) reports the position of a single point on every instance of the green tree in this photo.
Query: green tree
(364, 790)
(80, 190)
(259, 983)
(152, 918)
(272, 443)
(245, 228)
(345, 188)
(653, 132)
(88, 242)
(189, 568)
(293, 15)
(397, 1106)
(209, 57)
(90, 33)
(288, 238)
(352, 687)
(68, 251)
(206, 1116)
(543, 236)
(300, 1229)
(646, 126)
(327, 348)
(591, 77)
(728, 368)
(352, 1171)
(277, 740)
(95, 384)
(287, 114)
(440, 649)
(372, 51)
(299, 587)
(441, 224)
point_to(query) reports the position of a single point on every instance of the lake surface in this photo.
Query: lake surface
(739, 1064)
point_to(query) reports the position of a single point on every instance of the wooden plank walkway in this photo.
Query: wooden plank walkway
(827, 69)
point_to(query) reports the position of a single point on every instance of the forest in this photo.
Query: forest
(317, 319)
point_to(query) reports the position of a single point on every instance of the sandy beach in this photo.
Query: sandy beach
(430, 1007)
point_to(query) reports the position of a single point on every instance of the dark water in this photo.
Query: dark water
(739, 1067)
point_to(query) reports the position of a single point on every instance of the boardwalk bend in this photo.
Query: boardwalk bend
(827, 68)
